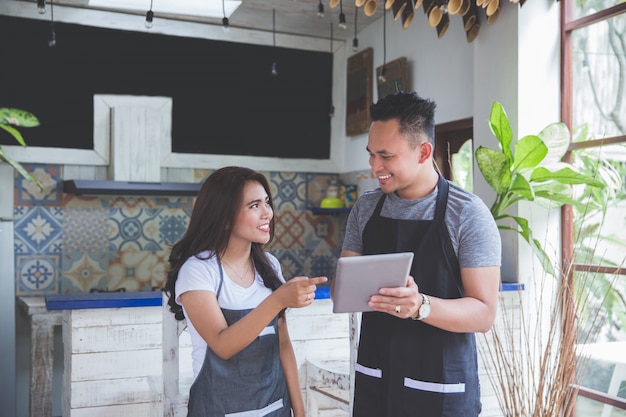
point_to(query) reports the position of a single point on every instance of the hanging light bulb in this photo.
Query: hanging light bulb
(320, 10)
(331, 110)
(355, 41)
(52, 42)
(41, 6)
(381, 74)
(149, 17)
(342, 16)
(342, 21)
(225, 21)
(274, 64)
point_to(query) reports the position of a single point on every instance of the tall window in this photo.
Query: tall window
(594, 233)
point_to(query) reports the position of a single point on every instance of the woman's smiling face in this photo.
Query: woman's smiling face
(253, 220)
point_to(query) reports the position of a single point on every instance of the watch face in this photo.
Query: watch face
(424, 310)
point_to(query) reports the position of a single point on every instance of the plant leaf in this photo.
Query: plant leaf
(555, 195)
(529, 152)
(522, 187)
(564, 176)
(17, 117)
(495, 167)
(501, 128)
(19, 168)
(526, 233)
(556, 137)
(580, 133)
(15, 133)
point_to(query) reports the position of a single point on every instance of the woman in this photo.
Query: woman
(233, 296)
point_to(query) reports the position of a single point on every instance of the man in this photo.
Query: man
(417, 352)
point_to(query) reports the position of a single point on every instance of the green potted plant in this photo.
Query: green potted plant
(531, 353)
(10, 120)
(532, 171)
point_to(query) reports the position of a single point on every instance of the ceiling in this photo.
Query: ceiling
(295, 17)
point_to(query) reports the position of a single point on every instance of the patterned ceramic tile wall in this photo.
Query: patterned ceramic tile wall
(71, 244)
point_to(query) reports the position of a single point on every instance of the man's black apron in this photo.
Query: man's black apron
(249, 384)
(406, 367)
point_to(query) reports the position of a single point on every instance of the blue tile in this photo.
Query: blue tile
(37, 274)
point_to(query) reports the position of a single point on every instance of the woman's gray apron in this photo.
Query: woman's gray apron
(407, 367)
(249, 384)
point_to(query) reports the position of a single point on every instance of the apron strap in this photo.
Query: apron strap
(442, 198)
(379, 206)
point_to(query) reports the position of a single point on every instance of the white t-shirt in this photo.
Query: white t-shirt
(200, 274)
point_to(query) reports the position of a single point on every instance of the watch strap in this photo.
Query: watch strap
(425, 301)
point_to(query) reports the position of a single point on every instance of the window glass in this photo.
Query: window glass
(594, 101)
(582, 8)
(600, 240)
(463, 166)
(598, 78)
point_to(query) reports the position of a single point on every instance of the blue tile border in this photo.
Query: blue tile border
(322, 292)
(512, 286)
(103, 300)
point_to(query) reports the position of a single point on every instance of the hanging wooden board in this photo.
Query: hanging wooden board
(359, 92)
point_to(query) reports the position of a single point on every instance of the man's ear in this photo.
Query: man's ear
(426, 151)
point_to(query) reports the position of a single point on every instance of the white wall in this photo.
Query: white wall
(439, 69)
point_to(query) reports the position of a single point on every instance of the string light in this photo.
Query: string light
(41, 6)
(381, 75)
(225, 22)
(342, 16)
(274, 64)
(355, 41)
(331, 111)
(149, 17)
(320, 10)
(53, 35)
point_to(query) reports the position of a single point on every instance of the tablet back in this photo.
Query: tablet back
(359, 277)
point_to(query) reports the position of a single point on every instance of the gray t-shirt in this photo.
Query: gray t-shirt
(472, 229)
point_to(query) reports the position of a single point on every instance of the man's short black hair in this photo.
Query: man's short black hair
(416, 115)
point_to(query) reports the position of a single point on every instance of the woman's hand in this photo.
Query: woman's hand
(298, 291)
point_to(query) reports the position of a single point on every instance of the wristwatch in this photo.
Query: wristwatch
(424, 309)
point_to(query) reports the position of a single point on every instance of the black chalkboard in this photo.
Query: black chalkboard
(225, 100)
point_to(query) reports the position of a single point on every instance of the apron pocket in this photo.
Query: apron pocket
(437, 399)
(276, 405)
(373, 372)
(434, 386)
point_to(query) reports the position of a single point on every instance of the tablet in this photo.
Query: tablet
(359, 277)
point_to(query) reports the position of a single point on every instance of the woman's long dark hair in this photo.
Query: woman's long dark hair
(212, 220)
